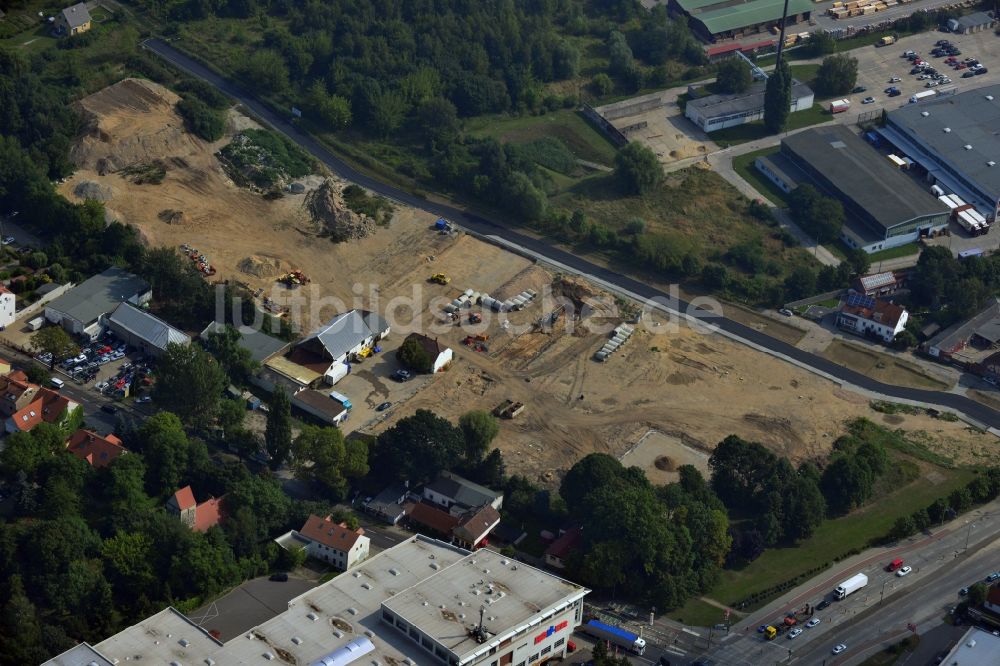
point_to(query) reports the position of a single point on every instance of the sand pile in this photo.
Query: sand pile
(331, 214)
(88, 189)
(260, 266)
(171, 216)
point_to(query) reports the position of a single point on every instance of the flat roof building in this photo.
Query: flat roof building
(955, 139)
(715, 112)
(713, 19)
(260, 345)
(884, 206)
(418, 601)
(80, 309)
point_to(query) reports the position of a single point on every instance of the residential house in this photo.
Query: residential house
(874, 318)
(880, 284)
(388, 505)
(4, 367)
(322, 407)
(94, 449)
(457, 495)
(475, 526)
(334, 543)
(329, 350)
(8, 310)
(73, 20)
(42, 404)
(80, 309)
(440, 355)
(559, 550)
(141, 330)
(438, 522)
(198, 517)
(962, 341)
(16, 392)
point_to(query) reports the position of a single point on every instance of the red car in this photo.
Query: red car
(952, 60)
(961, 65)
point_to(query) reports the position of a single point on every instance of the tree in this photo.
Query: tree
(333, 110)
(819, 215)
(231, 415)
(637, 168)
(166, 451)
(54, 340)
(438, 121)
(902, 528)
(837, 75)
(778, 98)
(418, 447)
(479, 428)
(601, 84)
(321, 456)
(801, 282)
(977, 594)
(278, 434)
(411, 354)
(236, 360)
(846, 484)
(189, 383)
(734, 76)
(821, 43)
(267, 70)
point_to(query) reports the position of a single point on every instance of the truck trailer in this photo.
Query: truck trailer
(840, 105)
(923, 94)
(616, 636)
(851, 585)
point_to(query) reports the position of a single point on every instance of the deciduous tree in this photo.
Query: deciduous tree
(189, 383)
(278, 435)
(637, 168)
(55, 341)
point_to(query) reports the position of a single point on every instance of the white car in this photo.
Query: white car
(895, 79)
(813, 622)
(8, 240)
(838, 648)
(903, 571)
(794, 632)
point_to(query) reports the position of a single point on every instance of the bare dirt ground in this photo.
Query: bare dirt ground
(692, 389)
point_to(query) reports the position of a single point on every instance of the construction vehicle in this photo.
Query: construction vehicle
(888, 40)
(475, 318)
(440, 278)
(294, 278)
(508, 409)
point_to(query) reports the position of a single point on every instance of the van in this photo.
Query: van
(57, 383)
(895, 564)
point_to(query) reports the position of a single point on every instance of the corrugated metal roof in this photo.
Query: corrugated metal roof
(99, 295)
(152, 330)
(722, 16)
(345, 332)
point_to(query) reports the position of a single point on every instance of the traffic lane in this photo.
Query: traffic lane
(482, 226)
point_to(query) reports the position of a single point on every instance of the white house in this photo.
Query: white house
(337, 342)
(334, 543)
(441, 356)
(7, 309)
(872, 317)
(458, 495)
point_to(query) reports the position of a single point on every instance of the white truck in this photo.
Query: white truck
(851, 585)
(616, 636)
(840, 105)
(923, 94)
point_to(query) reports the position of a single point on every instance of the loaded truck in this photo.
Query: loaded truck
(851, 585)
(886, 41)
(616, 636)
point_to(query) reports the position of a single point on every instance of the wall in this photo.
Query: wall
(47, 298)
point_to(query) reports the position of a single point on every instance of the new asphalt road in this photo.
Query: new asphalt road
(542, 249)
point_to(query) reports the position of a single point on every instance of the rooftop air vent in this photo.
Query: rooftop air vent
(393, 572)
(434, 565)
(989, 97)
(924, 114)
(175, 663)
(947, 130)
(352, 611)
(356, 574)
(209, 661)
(367, 586)
(991, 163)
(369, 633)
(967, 146)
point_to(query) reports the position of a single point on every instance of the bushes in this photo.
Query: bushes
(200, 119)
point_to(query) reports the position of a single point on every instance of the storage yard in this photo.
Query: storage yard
(692, 388)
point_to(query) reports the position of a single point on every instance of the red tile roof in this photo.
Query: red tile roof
(47, 406)
(331, 534)
(94, 449)
(565, 544)
(433, 518)
(184, 498)
(721, 48)
(477, 524)
(208, 514)
(883, 312)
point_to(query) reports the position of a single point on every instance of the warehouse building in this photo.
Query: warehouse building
(955, 140)
(975, 22)
(79, 310)
(420, 602)
(143, 331)
(884, 206)
(715, 112)
(728, 19)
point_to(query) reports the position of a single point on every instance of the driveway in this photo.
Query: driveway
(249, 605)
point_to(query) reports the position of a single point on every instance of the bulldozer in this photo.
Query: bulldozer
(440, 278)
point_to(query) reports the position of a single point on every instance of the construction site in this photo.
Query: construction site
(567, 367)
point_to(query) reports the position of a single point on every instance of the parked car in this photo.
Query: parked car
(904, 571)
(823, 604)
(794, 632)
(963, 592)
(813, 622)
(992, 577)
(280, 577)
(109, 409)
(384, 406)
(967, 75)
(895, 79)
(144, 400)
(981, 70)
(8, 240)
(402, 376)
(786, 312)
(838, 648)
(895, 93)
(868, 100)
(859, 89)
(945, 80)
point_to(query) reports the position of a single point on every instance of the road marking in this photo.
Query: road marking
(677, 651)
(689, 631)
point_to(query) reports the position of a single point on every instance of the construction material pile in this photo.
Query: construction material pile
(260, 266)
(328, 210)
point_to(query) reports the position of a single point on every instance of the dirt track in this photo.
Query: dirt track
(694, 388)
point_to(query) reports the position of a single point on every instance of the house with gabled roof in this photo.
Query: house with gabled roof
(199, 517)
(94, 449)
(44, 405)
(332, 542)
(144, 331)
(328, 350)
(73, 20)
(457, 494)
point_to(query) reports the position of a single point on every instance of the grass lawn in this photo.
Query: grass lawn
(731, 136)
(835, 538)
(743, 165)
(894, 253)
(566, 125)
(697, 613)
(881, 367)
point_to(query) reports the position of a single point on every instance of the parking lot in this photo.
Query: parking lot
(876, 66)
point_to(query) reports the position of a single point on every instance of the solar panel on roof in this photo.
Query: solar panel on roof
(860, 301)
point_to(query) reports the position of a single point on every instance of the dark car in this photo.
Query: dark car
(384, 406)
(279, 577)
(981, 70)
(916, 70)
(966, 75)
(402, 375)
(942, 42)
(859, 89)
(110, 409)
(895, 93)
(823, 604)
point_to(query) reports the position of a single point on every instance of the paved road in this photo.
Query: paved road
(543, 250)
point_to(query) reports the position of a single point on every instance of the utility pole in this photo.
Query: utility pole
(781, 36)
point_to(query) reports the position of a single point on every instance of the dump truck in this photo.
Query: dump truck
(851, 585)
(840, 105)
(440, 278)
(616, 636)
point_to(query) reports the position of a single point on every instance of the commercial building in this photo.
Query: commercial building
(969, 343)
(8, 311)
(977, 648)
(715, 112)
(714, 19)
(79, 311)
(143, 331)
(975, 22)
(338, 341)
(884, 206)
(420, 602)
(260, 345)
(954, 140)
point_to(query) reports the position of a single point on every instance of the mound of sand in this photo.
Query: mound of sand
(131, 122)
(88, 189)
(171, 216)
(333, 217)
(260, 266)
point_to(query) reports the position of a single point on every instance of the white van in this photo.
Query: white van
(57, 383)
